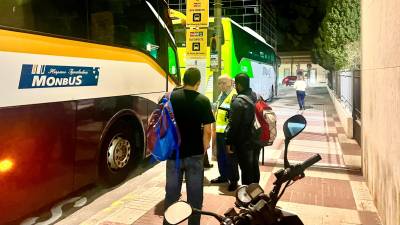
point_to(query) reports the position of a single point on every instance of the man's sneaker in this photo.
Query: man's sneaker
(218, 180)
(208, 166)
(232, 186)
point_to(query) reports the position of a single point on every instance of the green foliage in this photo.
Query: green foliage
(338, 43)
(297, 23)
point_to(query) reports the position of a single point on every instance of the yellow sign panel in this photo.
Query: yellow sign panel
(197, 13)
(196, 43)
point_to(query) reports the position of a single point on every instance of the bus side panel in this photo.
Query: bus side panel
(92, 118)
(263, 79)
(39, 141)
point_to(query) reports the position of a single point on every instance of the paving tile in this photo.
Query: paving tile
(319, 123)
(270, 153)
(313, 136)
(315, 147)
(340, 130)
(319, 191)
(111, 223)
(344, 139)
(214, 203)
(369, 218)
(266, 168)
(328, 143)
(331, 124)
(352, 160)
(350, 149)
(320, 215)
(362, 196)
(338, 124)
(356, 177)
(320, 129)
(126, 215)
(335, 159)
(327, 175)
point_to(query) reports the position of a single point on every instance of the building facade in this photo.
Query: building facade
(380, 85)
(291, 62)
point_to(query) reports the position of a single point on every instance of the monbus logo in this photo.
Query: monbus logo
(47, 76)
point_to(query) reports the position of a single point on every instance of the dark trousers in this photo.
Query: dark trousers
(227, 164)
(300, 98)
(192, 168)
(206, 162)
(247, 158)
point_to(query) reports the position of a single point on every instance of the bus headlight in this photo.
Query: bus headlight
(6, 165)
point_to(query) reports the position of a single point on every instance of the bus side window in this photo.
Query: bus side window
(172, 64)
(65, 18)
(128, 23)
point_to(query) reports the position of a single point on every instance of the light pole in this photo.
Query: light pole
(218, 31)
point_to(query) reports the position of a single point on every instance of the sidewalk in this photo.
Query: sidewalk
(324, 133)
(330, 194)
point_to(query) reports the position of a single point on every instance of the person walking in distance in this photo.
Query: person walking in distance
(239, 132)
(194, 117)
(226, 167)
(300, 86)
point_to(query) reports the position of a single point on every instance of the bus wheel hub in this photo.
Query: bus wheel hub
(118, 154)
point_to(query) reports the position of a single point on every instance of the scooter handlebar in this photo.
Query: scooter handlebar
(310, 161)
(296, 170)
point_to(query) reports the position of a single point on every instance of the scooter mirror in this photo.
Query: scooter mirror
(178, 212)
(293, 126)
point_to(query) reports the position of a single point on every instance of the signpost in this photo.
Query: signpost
(196, 38)
(197, 13)
(196, 43)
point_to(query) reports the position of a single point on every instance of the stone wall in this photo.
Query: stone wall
(381, 104)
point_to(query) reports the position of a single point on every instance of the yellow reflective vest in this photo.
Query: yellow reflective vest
(222, 112)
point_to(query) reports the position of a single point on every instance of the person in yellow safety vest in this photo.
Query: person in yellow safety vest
(221, 110)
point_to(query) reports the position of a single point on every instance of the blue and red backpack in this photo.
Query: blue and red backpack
(163, 138)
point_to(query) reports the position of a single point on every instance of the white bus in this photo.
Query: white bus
(78, 80)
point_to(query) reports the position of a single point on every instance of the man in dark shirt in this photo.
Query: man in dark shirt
(194, 117)
(239, 139)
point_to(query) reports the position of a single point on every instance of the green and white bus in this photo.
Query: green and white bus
(243, 50)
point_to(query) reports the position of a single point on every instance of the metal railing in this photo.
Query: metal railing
(347, 87)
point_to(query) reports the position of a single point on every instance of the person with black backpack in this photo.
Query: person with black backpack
(240, 139)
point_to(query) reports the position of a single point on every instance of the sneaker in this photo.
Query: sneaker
(232, 186)
(218, 180)
(208, 166)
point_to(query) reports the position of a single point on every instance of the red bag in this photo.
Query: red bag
(264, 123)
(267, 120)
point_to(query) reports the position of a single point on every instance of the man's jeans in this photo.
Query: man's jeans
(224, 166)
(193, 169)
(300, 98)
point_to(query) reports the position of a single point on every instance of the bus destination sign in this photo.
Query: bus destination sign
(48, 76)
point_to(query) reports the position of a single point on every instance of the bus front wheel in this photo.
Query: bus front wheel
(118, 154)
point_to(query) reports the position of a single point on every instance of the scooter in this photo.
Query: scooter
(255, 207)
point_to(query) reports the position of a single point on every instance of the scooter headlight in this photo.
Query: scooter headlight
(242, 198)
